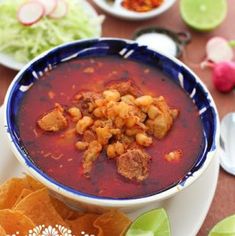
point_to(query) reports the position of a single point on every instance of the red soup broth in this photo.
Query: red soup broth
(59, 158)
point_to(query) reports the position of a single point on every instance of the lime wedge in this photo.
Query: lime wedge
(203, 15)
(151, 223)
(226, 227)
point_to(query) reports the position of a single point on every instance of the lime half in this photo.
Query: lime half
(226, 227)
(151, 223)
(203, 15)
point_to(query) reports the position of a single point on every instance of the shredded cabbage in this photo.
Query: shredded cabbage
(26, 42)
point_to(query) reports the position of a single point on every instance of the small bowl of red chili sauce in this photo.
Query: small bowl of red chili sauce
(108, 123)
(134, 9)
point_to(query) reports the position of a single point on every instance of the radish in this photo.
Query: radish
(49, 5)
(219, 50)
(224, 76)
(30, 12)
(60, 10)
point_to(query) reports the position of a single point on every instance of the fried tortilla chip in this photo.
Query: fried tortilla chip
(38, 207)
(30, 205)
(84, 224)
(64, 211)
(112, 223)
(24, 193)
(10, 191)
(33, 184)
(14, 221)
(2, 231)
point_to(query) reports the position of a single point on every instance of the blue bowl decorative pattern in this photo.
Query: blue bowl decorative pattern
(173, 68)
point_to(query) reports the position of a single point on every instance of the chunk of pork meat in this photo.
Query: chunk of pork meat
(54, 120)
(133, 164)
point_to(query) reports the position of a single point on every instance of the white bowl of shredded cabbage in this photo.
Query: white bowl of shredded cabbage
(19, 44)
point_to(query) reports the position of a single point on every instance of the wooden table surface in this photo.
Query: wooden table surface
(224, 200)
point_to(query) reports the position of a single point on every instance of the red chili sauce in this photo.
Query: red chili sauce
(59, 158)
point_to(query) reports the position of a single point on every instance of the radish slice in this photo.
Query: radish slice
(60, 10)
(218, 50)
(30, 13)
(49, 5)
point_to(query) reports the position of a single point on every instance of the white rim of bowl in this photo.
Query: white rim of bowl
(108, 202)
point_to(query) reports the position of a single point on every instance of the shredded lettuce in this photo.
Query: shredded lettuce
(26, 42)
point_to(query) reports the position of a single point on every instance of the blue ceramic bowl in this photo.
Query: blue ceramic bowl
(171, 67)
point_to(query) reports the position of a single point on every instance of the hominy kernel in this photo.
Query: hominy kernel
(122, 110)
(111, 95)
(153, 112)
(143, 140)
(131, 121)
(81, 145)
(129, 99)
(144, 101)
(119, 122)
(83, 124)
(100, 102)
(99, 112)
(103, 134)
(119, 148)
(75, 113)
(111, 151)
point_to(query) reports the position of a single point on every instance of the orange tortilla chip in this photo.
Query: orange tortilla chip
(2, 231)
(31, 206)
(112, 223)
(63, 210)
(38, 207)
(84, 224)
(14, 221)
(10, 191)
(33, 184)
(24, 193)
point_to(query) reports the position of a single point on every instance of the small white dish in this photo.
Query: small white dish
(187, 210)
(9, 61)
(117, 10)
(162, 40)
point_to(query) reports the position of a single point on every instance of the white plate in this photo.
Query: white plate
(186, 211)
(117, 10)
(10, 62)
